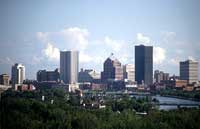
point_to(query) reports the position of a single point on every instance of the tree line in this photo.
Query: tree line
(26, 110)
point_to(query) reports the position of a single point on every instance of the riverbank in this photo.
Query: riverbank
(193, 95)
(180, 97)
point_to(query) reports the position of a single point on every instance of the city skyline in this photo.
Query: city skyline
(34, 36)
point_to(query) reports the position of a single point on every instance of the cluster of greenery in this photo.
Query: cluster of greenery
(195, 95)
(139, 105)
(26, 110)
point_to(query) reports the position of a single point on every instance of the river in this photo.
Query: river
(172, 100)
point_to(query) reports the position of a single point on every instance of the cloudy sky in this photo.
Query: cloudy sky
(33, 32)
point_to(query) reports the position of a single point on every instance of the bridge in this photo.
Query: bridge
(178, 104)
(119, 93)
(129, 93)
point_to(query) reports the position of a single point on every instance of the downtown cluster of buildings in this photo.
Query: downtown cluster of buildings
(114, 76)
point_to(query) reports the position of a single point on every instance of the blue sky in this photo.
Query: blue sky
(33, 31)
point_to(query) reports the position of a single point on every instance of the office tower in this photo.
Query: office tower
(157, 76)
(144, 64)
(69, 65)
(189, 71)
(165, 76)
(4, 79)
(160, 76)
(129, 72)
(112, 69)
(48, 76)
(18, 74)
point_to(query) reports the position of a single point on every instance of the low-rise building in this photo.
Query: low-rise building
(4, 79)
(180, 83)
(24, 87)
(88, 75)
(48, 76)
(129, 72)
(189, 71)
(160, 76)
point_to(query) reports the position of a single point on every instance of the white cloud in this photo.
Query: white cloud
(143, 39)
(51, 52)
(94, 51)
(75, 38)
(84, 58)
(113, 44)
(174, 61)
(69, 38)
(159, 55)
(191, 58)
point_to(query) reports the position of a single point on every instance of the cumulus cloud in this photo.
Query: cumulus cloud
(143, 39)
(76, 38)
(51, 52)
(159, 55)
(191, 58)
(73, 38)
(114, 44)
(84, 58)
(94, 51)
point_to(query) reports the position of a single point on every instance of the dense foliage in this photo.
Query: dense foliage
(26, 110)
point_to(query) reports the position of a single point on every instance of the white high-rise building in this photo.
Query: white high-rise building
(69, 65)
(129, 72)
(18, 74)
(189, 71)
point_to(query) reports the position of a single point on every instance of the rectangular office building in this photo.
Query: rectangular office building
(69, 65)
(144, 64)
(189, 71)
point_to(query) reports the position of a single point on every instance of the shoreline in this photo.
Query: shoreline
(179, 97)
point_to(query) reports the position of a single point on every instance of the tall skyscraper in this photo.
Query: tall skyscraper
(18, 74)
(189, 71)
(69, 65)
(129, 72)
(112, 69)
(144, 64)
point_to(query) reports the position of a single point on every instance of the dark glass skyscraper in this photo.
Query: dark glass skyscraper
(144, 64)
